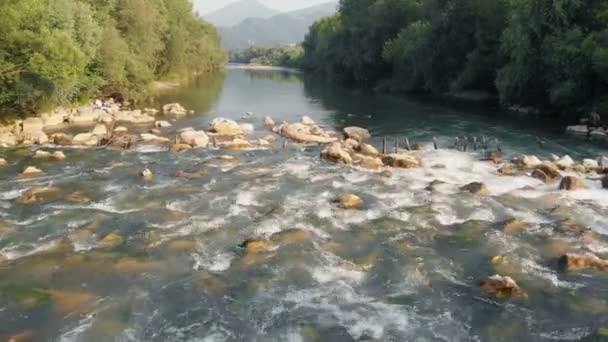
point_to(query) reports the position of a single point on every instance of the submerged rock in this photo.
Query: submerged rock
(256, 246)
(359, 134)
(576, 262)
(503, 287)
(78, 197)
(476, 188)
(30, 171)
(349, 201)
(111, 240)
(514, 226)
(237, 144)
(225, 127)
(571, 183)
(66, 302)
(58, 155)
(291, 236)
(180, 148)
(37, 194)
(41, 154)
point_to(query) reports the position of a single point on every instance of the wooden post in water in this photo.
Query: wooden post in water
(435, 143)
(214, 141)
(396, 145)
(466, 142)
(407, 144)
(285, 142)
(457, 143)
(498, 146)
(475, 143)
(384, 145)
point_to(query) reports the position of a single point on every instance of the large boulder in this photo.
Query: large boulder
(368, 149)
(349, 201)
(174, 109)
(357, 133)
(237, 144)
(306, 134)
(336, 153)
(405, 161)
(61, 139)
(162, 124)
(503, 287)
(306, 120)
(591, 164)
(572, 183)
(268, 122)
(225, 127)
(32, 125)
(195, 138)
(576, 262)
(546, 173)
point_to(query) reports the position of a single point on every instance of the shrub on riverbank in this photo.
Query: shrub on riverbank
(541, 53)
(62, 51)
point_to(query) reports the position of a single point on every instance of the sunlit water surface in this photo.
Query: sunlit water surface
(405, 267)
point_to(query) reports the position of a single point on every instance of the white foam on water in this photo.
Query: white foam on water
(536, 270)
(13, 252)
(217, 263)
(11, 194)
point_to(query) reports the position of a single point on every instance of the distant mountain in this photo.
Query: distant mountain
(236, 12)
(281, 29)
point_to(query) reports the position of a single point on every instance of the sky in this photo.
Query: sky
(281, 5)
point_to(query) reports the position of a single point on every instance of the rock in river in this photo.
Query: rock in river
(195, 138)
(174, 109)
(350, 201)
(147, 175)
(30, 171)
(225, 127)
(357, 133)
(268, 122)
(575, 262)
(572, 183)
(476, 188)
(503, 287)
(404, 161)
(336, 153)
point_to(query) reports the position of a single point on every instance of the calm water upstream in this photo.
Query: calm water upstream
(161, 261)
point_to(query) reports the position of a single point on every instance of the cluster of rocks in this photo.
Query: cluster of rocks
(45, 128)
(560, 169)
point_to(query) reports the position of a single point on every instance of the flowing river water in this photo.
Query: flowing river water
(405, 267)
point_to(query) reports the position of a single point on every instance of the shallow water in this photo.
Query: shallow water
(405, 267)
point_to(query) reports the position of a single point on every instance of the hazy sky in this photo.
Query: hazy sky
(281, 5)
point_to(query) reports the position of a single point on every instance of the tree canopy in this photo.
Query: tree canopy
(61, 51)
(550, 54)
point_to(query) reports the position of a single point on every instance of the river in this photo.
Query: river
(161, 260)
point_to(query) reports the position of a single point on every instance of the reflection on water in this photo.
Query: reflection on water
(105, 256)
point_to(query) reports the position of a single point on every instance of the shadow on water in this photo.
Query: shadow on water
(201, 95)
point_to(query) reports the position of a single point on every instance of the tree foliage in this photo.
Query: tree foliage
(542, 53)
(61, 51)
(285, 56)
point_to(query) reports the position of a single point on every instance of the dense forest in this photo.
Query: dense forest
(64, 51)
(548, 54)
(286, 56)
